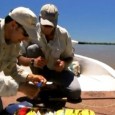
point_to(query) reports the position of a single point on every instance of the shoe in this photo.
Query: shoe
(74, 100)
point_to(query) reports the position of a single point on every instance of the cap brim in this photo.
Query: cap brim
(32, 32)
(46, 22)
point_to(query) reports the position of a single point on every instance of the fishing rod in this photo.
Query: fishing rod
(74, 42)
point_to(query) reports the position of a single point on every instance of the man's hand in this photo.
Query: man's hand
(40, 62)
(59, 65)
(29, 89)
(36, 78)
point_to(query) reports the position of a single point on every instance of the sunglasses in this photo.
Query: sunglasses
(24, 31)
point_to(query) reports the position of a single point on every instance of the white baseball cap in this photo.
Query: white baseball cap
(25, 17)
(49, 15)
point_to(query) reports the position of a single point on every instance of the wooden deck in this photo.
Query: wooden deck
(102, 103)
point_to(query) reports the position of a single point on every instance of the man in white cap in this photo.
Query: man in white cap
(54, 53)
(20, 24)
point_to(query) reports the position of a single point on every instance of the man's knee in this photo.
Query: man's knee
(34, 51)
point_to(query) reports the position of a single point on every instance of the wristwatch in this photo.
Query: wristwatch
(32, 62)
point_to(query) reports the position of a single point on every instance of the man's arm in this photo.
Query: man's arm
(25, 61)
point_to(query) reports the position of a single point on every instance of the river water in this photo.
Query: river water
(104, 53)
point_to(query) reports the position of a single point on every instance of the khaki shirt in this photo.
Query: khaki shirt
(59, 47)
(8, 60)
